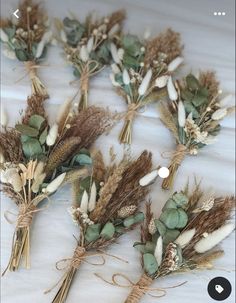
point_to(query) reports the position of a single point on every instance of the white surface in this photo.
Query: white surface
(209, 43)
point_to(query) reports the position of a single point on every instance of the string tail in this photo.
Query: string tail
(65, 286)
(37, 86)
(139, 289)
(176, 161)
(20, 249)
(126, 132)
(84, 88)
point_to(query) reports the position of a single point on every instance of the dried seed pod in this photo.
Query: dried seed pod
(127, 211)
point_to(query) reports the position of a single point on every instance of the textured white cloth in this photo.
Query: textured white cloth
(209, 44)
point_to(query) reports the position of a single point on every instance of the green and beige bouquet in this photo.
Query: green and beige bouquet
(26, 39)
(105, 207)
(86, 45)
(184, 238)
(36, 159)
(142, 70)
(193, 115)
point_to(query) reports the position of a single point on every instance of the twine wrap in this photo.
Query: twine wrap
(37, 86)
(139, 289)
(126, 132)
(177, 158)
(78, 257)
(25, 216)
(84, 87)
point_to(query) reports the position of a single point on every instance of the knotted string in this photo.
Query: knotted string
(80, 255)
(140, 288)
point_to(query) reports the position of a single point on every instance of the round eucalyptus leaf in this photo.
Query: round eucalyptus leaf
(36, 121)
(160, 227)
(32, 148)
(183, 218)
(150, 263)
(93, 232)
(192, 82)
(170, 236)
(170, 217)
(108, 231)
(22, 55)
(170, 203)
(139, 217)
(129, 221)
(180, 199)
(27, 130)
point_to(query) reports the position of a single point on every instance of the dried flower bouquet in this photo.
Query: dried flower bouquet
(184, 238)
(36, 159)
(193, 116)
(27, 40)
(142, 70)
(87, 46)
(105, 206)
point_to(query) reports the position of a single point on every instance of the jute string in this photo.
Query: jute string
(179, 154)
(138, 289)
(81, 255)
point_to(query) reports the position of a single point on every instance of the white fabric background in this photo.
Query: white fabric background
(209, 43)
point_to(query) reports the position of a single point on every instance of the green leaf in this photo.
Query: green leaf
(191, 109)
(170, 217)
(150, 263)
(130, 62)
(199, 99)
(140, 247)
(170, 203)
(160, 227)
(138, 218)
(24, 138)
(10, 31)
(183, 218)
(119, 229)
(180, 199)
(76, 73)
(131, 45)
(22, 55)
(93, 232)
(192, 82)
(170, 236)
(27, 130)
(186, 95)
(32, 148)
(129, 221)
(83, 159)
(215, 131)
(103, 53)
(43, 136)
(150, 247)
(36, 121)
(67, 22)
(108, 231)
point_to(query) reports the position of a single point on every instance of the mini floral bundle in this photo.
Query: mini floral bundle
(36, 159)
(184, 237)
(193, 116)
(142, 70)
(87, 46)
(27, 40)
(105, 206)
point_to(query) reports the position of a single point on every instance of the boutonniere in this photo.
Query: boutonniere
(27, 39)
(36, 159)
(105, 207)
(184, 238)
(86, 45)
(141, 71)
(193, 116)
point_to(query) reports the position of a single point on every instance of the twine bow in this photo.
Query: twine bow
(81, 255)
(132, 111)
(140, 288)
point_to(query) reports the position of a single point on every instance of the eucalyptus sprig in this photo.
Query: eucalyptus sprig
(27, 39)
(105, 207)
(37, 159)
(184, 238)
(86, 45)
(141, 70)
(193, 116)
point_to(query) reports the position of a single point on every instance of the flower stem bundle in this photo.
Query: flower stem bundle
(193, 116)
(86, 45)
(36, 160)
(105, 206)
(141, 71)
(183, 238)
(27, 39)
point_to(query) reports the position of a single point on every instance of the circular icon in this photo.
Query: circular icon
(219, 288)
(163, 172)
